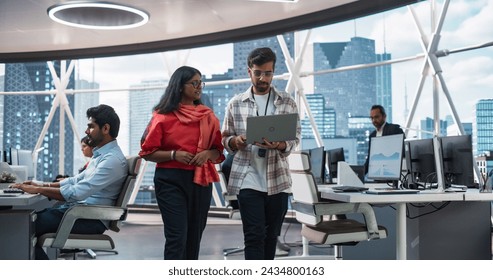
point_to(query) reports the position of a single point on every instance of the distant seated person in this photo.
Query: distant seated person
(382, 127)
(86, 148)
(99, 184)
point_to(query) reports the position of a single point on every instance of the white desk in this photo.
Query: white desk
(21, 200)
(17, 238)
(400, 201)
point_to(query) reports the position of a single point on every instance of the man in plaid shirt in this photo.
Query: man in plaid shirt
(260, 173)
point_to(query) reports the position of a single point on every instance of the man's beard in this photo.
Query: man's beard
(262, 87)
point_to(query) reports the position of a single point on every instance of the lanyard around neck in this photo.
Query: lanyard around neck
(266, 104)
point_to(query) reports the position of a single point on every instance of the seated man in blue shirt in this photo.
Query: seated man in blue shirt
(99, 184)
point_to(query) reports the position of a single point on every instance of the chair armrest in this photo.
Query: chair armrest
(91, 212)
(320, 209)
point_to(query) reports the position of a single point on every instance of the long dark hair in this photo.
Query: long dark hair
(172, 95)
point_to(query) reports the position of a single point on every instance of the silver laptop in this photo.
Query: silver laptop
(272, 127)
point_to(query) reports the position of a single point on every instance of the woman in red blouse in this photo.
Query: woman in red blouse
(184, 139)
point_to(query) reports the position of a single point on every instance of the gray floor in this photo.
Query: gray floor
(141, 238)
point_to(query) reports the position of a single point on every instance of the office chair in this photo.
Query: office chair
(64, 240)
(310, 210)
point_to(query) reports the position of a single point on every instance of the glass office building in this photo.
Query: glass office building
(241, 51)
(351, 92)
(483, 131)
(25, 115)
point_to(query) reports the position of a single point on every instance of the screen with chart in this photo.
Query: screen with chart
(385, 158)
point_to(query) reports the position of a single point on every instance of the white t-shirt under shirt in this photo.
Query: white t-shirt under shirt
(258, 165)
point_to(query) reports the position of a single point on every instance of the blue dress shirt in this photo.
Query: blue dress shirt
(102, 180)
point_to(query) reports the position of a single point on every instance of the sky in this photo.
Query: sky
(468, 75)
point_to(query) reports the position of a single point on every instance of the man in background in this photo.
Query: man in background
(382, 127)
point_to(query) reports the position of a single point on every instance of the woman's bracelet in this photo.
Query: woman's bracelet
(173, 154)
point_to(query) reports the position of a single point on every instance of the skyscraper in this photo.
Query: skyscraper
(83, 101)
(483, 130)
(141, 103)
(218, 96)
(428, 126)
(349, 92)
(360, 128)
(384, 84)
(243, 49)
(324, 118)
(25, 116)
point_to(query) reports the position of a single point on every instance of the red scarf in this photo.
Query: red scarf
(207, 173)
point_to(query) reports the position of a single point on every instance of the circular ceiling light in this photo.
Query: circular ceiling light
(97, 15)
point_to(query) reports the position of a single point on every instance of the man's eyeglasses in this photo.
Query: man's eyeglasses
(196, 84)
(258, 73)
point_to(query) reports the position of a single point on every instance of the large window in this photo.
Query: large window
(342, 99)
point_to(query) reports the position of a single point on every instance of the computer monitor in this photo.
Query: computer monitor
(420, 161)
(14, 158)
(317, 162)
(385, 158)
(458, 163)
(25, 158)
(332, 157)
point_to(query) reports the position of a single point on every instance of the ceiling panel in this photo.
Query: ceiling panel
(28, 34)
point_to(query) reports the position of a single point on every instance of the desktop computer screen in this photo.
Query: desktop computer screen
(14, 158)
(420, 161)
(25, 157)
(458, 163)
(332, 157)
(385, 158)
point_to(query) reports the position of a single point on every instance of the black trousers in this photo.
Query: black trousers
(262, 216)
(184, 206)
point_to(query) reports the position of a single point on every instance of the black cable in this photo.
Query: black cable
(437, 208)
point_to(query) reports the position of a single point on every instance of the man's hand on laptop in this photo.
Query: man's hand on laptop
(271, 145)
(238, 142)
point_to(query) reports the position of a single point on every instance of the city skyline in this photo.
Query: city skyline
(467, 74)
(459, 31)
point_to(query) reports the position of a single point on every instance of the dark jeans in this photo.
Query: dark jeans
(49, 219)
(184, 207)
(262, 216)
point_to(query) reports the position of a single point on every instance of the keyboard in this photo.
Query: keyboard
(11, 192)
